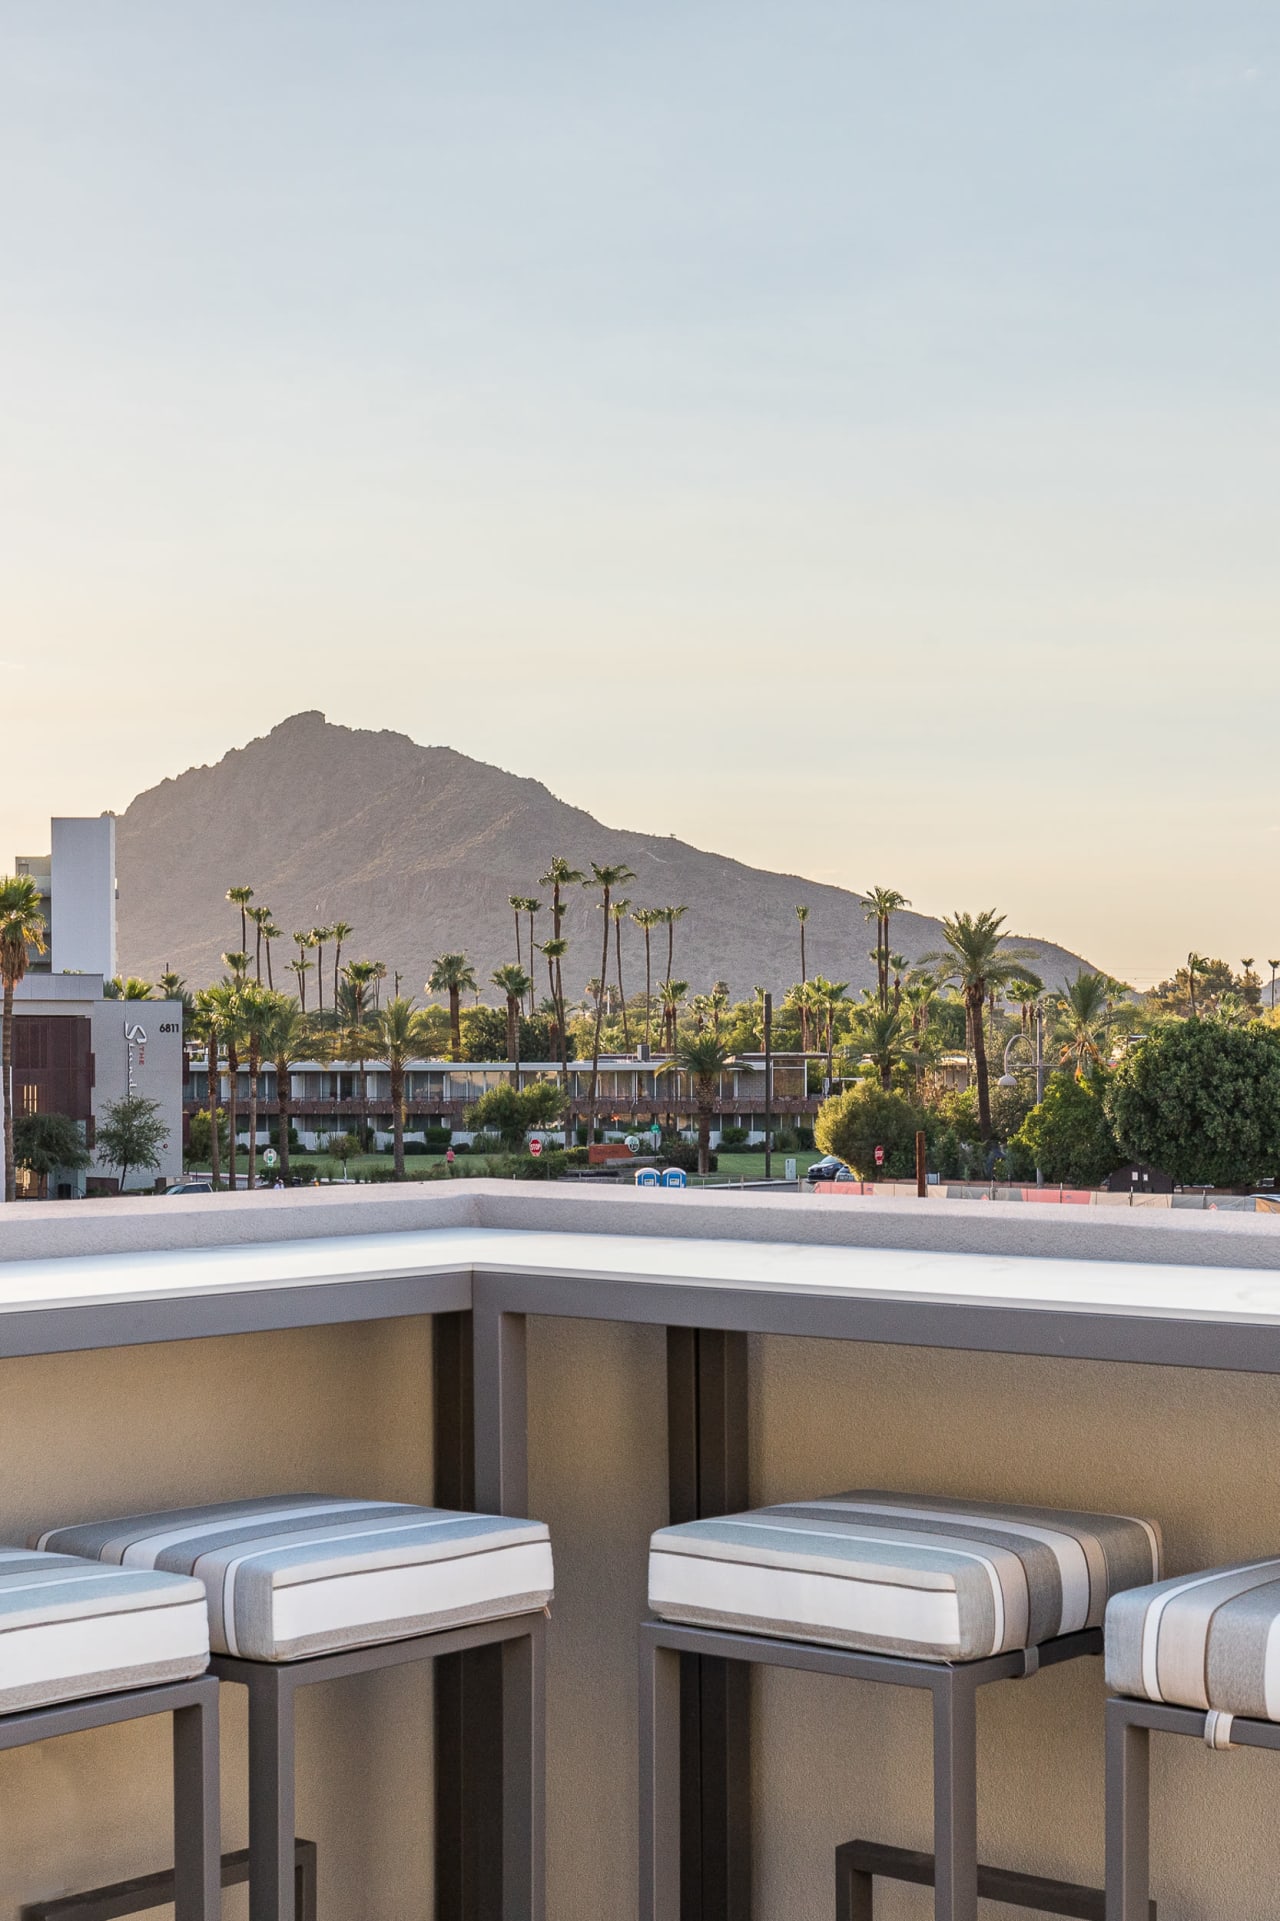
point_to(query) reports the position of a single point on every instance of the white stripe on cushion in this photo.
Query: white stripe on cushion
(397, 1594)
(57, 1651)
(841, 1605)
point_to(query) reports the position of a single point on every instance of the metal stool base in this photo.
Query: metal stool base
(859, 1864)
(148, 1891)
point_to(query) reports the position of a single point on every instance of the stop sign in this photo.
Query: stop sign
(535, 1147)
(879, 1157)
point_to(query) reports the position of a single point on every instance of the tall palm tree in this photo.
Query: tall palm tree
(897, 965)
(619, 911)
(453, 975)
(257, 1004)
(703, 1058)
(378, 976)
(22, 928)
(340, 931)
(317, 938)
(399, 1031)
(1023, 995)
(647, 918)
(719, 998)
(260, 916)
(236, 961)
(830, 993)
(558, 876)
(229, 1017)
(354, 1007)
(606, 878)
(553, 952)
(1087, 1013)
(302, 966)
(286, 1039)
(672, 994)
(976, 958)
(1273, 965)
(880, 905)
(240, 897)
(516, 903)
(1196, 964)
(515, 984)
(669, 916)
(532, 905)
(802, 915)
(207, 1017)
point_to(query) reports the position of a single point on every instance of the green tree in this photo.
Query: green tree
(132, 989)
(977, 959)
(131, 1134)
(21, 929)
(453, 975)
(853, 1124)
(703, 1058)
(340, 931)
(510, 1112)
(880, 905)
(1068, 1136)
(880, 1036)
(200, 1142)
(606, 878)
(400, 1035)
(46, 1143)
(646, 919)
(227, 1018)
(286, 1039)
(1201, 1101)
(257, 1007)
(514, 984)
(1086, 1015)
(208, 1028)
(240, 897)
(668, 917)
(620, 911)
(302, 966)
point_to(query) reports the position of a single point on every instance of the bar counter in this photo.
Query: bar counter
(606, 1360)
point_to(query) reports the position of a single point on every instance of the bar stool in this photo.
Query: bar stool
(1185, 1656)
(305, 1588)
(85, 1646)
(917, 1591)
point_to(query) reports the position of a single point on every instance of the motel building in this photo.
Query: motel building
(334, 1097)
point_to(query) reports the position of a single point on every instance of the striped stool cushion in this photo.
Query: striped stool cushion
(1208, 1640)
(936, 1579)
(299, 1574)
(70, 1629)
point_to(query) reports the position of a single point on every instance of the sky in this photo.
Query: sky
(842, 434)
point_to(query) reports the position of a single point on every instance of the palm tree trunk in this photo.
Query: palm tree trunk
(595, 1042)
(215, 1155)
(455, 1022)
(517, 914)
(6, 1094)
(705, 1097)
(397, 1119)
(617, 949)
(975, 999)
(270, 983)
(284, 1110)
(648, 986)
(337, 962)
(254, 1065)
(532, 989)
(257, 952)
(233, 1078)
(320, 977)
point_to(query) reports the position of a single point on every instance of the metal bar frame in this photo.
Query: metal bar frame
(1130, 1725)
(196, 1803)
(146, 1892)
(859, 1864)
(952, 1685)
(273, 1688)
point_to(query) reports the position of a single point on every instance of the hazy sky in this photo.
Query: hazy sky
(843, 434)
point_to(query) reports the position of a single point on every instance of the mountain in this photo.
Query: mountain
(419, 849)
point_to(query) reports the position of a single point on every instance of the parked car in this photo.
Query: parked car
(829, 1168)
(190, 1187)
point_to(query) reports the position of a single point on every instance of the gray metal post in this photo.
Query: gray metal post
(1128, 1816)
(197, 1848)
(659, 1782)
(768, 1086)
(524, 1777)
(501, 1416)
(955, 1797)
(271, 1795)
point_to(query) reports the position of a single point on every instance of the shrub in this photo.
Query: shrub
(684, 1154)
(302, 1173)
(1068, 1136)
(485, 1144)
(506, 1114)
(733, 1137)
(434, 1141)
(855, 1123)
(412, 1147)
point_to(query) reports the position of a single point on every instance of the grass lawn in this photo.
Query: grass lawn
(734, 1166)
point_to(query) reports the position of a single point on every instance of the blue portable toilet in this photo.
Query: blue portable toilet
(646, 1177)
(674, 1177)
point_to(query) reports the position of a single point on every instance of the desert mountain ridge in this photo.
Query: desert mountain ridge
(419, 849)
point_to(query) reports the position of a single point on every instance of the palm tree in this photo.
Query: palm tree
(606, 879)
(302, 966)
(1273, 965)
(237, 962)
(340, 931)
(132, 989)
(1087, 1013)
(669, 916)
(260, 916)
(647, 918)
(620, 911)
(672, 994)
(719, 998)
(516, 903)
(207, 1017)
(453, 975)
(553, 952)
(531, 905)
(228, 1015)
(515, 984)
(1196, 964)
(353, 1006)
(976, 958)
(897, 965)
(880, 1036)
(378, 976)
(880, 904)
(703, 1058)
(802, 915)
(558, 876)
(240, 897)
(257, 1004)
(1023, 995)
(400, 1033)
(286, 1038)
(21, 929)
(317, 938)
(830, 994)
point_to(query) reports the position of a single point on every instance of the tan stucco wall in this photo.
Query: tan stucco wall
(340, 1409)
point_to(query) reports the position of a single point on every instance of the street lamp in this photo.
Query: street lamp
(1010, 1079)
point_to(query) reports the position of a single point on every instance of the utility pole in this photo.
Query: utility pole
(768, 1087)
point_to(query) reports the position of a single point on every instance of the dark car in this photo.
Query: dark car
(829, 1168)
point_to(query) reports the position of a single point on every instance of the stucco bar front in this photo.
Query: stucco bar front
(1126, 1362)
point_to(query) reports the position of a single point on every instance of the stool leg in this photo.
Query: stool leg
(855, 1894)
(955, 1798)
(659, 1782)
(1128, 1816)
(271, 1810)
(524, 1799)
(197, 1847)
